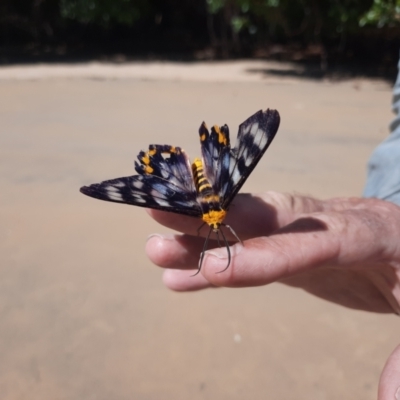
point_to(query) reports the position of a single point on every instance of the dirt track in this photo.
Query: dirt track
(84, 314)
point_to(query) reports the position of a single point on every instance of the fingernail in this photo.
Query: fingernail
(160, 236)
(397, 395)
(222, 252)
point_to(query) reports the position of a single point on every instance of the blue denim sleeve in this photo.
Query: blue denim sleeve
(383, 179)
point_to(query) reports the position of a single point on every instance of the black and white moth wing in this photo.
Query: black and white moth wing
(236, 164)
(214, 144)
(168, 163)
(163, 183)
(146, 191)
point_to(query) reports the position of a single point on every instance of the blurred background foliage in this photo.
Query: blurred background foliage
(324, 31)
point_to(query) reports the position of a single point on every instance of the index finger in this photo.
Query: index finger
(249, 215)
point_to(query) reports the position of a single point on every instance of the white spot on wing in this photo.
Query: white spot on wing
(215, 152)
(254, 129)
(158, 193)
(139, 199)
(119, 184)
(235, 176)
(113, 194)
(138, 184)
(224, 188)
(263, 141)
(248, 161)
(231, 165)
(175, 181)
(247, 157)
(246, 129)
(165, 174)
(161, 202)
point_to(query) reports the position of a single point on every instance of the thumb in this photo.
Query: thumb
(389, 383)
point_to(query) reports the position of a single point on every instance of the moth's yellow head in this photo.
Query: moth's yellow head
(214, 218)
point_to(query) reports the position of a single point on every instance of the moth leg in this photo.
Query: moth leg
(202, 253)
(234, 234)
(229, 253)
(218, 241)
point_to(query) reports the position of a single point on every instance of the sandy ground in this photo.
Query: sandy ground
(83, 313)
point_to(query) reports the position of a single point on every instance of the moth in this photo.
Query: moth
(205, 188)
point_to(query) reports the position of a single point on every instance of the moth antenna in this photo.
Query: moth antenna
(202, 253)
(234, 234)
(229, 253)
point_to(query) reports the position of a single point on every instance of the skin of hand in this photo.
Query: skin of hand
(344, 250)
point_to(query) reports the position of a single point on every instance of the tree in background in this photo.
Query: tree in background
(225, 27)
(382, 13)
(105, 12)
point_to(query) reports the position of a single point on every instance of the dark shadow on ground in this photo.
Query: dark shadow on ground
(340, 72)
(307, 68)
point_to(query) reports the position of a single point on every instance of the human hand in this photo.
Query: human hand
(345, 250)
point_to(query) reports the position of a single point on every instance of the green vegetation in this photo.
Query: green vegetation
(104, 12)
(219, 28)
(382, 13)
